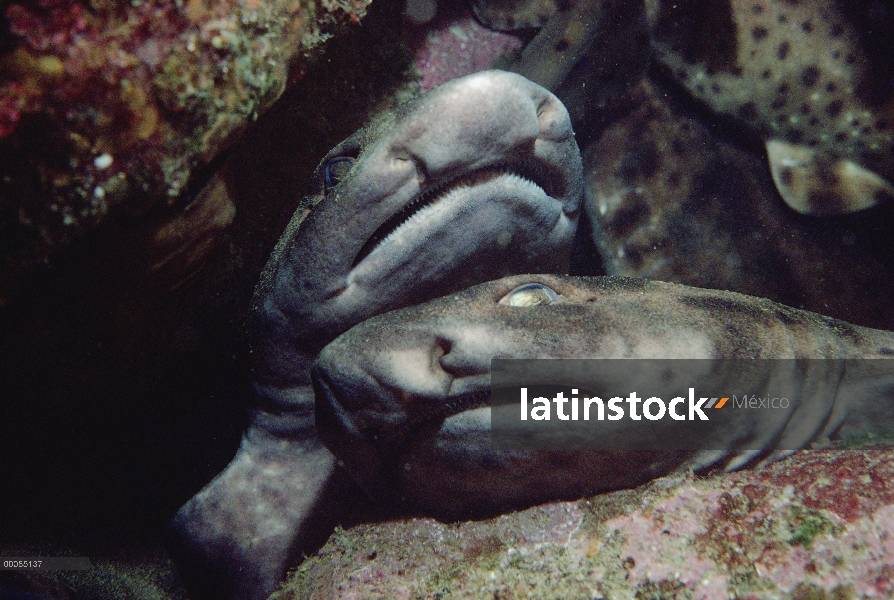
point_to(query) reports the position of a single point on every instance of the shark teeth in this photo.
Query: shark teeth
(430, 202)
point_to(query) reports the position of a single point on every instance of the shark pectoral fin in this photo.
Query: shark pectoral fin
(730, 460)
(704, 460)
(813, 183)
(277, 499)
(741, 459)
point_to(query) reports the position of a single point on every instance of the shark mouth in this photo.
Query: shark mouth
(332, 415)
(531, 173)
(430, 415)
(457, 404)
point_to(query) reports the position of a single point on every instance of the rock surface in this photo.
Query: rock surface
(819, 525)
(110, 107)
(454, 44)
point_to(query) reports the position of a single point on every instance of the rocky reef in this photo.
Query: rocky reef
(107, 371)
(118, 108)
(147, 136)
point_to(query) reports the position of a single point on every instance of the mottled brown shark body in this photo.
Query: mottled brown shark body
(805, 76)
(407, 375)
(812, 80)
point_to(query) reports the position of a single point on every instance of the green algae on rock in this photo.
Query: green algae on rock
(109, 107)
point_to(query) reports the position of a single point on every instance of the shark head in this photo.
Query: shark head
(478, 179)
(402, 399)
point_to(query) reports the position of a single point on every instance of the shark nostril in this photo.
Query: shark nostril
(455, 361)
(553, 120)
(442, 348)
(446, 357)
(419, 164)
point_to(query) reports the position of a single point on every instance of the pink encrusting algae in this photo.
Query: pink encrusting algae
(817, 525)
(454, 44)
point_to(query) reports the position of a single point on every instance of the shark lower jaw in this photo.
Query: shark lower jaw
(382, 391)
(434, 414)
(492, 224)
(390, 430)
(526, 175)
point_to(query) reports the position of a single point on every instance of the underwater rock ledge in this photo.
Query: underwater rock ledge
(817, 525)
(118, 106)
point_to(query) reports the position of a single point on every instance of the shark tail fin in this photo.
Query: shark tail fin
(813, 183)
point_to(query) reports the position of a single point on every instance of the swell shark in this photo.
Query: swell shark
(811, 80)
(477, 179)
(409, 375)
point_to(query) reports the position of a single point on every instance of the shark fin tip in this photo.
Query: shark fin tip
(812, 183)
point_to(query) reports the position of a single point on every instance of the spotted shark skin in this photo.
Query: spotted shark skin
(474, 180)
(810, 78)
(588, 52)
(804, 78)
(673, 199)
(380, 376)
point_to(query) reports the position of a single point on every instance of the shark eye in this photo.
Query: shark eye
(336, 169)
(531, 294)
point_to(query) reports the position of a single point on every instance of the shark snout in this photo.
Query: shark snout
(380, 386)
(553, 120)
(490, 118)
(373, 393)
(464, 368)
